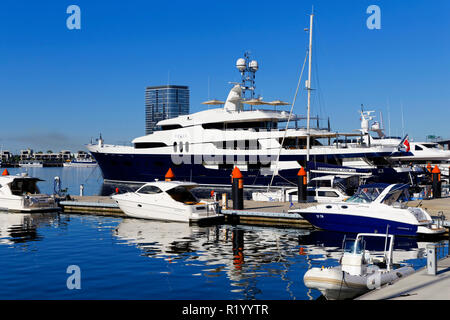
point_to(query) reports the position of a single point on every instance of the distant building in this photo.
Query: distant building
(26, 154)
(6, 156)
(164, 102)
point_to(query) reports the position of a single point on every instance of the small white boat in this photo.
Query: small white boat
(329, 188)
(166, 200)
(374, 208)
(84, 163)
(31, 164)
(20, 193)
(358, 272)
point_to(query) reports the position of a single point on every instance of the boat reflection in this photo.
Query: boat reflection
(240, 253)
(23, 227)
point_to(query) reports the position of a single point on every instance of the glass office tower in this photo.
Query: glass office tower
(164, 102)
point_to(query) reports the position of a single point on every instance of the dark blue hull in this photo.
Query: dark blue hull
(148, 167)
(358, 224)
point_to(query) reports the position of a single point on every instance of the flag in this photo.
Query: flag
(404, 144)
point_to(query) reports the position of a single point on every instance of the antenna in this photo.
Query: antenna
(247, 68)
(389, 117)
(308, 87)
(403, 123)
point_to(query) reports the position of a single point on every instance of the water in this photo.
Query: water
(70, 177)
(141, 259)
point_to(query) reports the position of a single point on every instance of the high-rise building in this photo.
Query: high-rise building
(164, 102)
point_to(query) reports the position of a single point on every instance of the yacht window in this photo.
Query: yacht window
(181, 146)
(328, 194)
(322, 183)
(144, 145)
(430, 145)
(21, 187)
(186, 145)
(175, 148)
(418, 148)
(171, 127)
(181, 194)
(149, 190)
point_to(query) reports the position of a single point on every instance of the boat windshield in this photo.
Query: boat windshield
(353, 246)
(397, 196)
(365, 195)
(149, 190)
(21, 187)
(181, 194)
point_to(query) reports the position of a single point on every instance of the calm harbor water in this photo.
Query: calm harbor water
(141, 259)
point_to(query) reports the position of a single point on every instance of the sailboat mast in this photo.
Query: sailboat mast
(308, 87)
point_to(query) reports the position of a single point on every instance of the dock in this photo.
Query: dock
(254, 212)
(417, 286)
(96, 205)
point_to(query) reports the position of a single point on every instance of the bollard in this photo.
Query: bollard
(169, 175)
(224, 201)
(301, 185)
(81, 190)
(431, 259)
(436, 178)
(237, 189)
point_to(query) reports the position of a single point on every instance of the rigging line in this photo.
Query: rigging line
(289, 118)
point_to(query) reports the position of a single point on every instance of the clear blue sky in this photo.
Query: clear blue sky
(60, 87)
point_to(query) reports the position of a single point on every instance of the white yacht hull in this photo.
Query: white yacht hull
(136, 207)
(23, 204)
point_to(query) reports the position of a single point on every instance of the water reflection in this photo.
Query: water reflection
(220, 262)
(23, 227)
(242, 254)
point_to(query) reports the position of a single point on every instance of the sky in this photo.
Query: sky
(60, 87)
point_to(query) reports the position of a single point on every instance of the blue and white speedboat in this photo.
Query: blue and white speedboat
(374, 208)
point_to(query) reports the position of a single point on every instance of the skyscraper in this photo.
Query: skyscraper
(164, 102)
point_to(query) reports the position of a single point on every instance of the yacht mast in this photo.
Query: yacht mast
(308, 87)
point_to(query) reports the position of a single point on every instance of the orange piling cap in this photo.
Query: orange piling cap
(236, 173)
(5, 172)
(169, 174)
(436, 170)
(301, 172)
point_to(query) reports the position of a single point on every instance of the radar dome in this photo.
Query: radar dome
(240, 64)
(253, 65)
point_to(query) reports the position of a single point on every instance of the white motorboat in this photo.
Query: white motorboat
(374, 208)
(166, 200)
(81, 159)
(31, 164)
(84, 163)
(20, 193)
(329, 188)
(358, 272)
